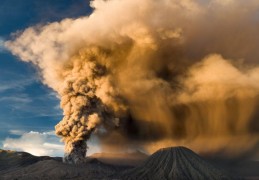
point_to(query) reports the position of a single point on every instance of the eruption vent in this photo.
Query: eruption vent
(151, 73)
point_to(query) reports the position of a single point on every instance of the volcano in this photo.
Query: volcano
(175, 163)
(168, 163)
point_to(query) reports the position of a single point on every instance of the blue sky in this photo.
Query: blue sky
(27, 107)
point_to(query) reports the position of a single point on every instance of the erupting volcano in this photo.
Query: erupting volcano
(149, 74)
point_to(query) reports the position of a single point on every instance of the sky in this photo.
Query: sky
(29, 110)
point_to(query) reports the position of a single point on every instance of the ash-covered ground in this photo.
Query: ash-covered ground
(168, 163)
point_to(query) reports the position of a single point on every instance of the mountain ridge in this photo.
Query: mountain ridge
(175, 163)
(167, 163)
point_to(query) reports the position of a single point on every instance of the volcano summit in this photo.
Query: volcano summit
(175, 163)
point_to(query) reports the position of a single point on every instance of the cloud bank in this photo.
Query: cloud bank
(135, 73)
(36, 143)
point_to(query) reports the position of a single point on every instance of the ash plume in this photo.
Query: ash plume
(152, 73)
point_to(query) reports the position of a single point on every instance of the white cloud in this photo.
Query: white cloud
(16, 83)
(42, 144)
(16, 132)
(36, 143)
(17, 99)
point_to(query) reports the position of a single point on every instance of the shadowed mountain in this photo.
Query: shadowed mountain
(249, 169)
(11, 160)
(175, 163)
(55, 170)
(169, 163)
(24, 166)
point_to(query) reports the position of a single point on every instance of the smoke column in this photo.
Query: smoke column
(150, 74)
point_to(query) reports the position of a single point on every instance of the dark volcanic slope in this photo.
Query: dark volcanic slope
(10, 160)
(24, 166)
(169, 163)
(54, 170)
(174, 163)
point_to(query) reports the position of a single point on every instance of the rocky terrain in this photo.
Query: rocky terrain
(167, 163)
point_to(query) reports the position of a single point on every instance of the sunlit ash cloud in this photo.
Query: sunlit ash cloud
(148, 74)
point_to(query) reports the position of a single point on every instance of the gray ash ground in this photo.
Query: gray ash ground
(168, 163)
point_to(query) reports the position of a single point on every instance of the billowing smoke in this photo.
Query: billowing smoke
(150, 73)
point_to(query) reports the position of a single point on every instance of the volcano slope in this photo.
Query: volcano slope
(169, 163)
(24, 166)
(175, 163)
(12, 160)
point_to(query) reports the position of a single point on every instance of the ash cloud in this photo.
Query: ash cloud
(135, 73)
